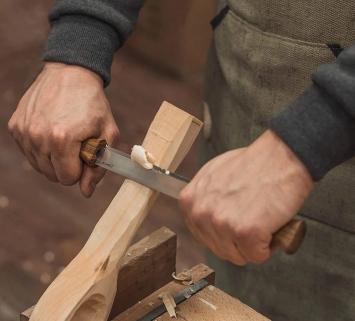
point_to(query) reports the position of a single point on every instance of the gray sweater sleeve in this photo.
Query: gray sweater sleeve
(319, 126)
(88, 32)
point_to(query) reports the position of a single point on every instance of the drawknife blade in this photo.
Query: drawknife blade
(157, 178)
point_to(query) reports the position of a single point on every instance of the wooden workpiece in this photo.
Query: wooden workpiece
(86, 288)
(156, 253)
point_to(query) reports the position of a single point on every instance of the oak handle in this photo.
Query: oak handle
(289, 238)
(89, 150)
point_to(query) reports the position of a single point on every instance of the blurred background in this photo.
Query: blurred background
(43, 225)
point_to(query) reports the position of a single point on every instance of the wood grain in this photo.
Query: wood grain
(86, 288)
(155, 253)
(149, 303)
(212, 304)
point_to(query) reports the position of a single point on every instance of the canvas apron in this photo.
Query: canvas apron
(262, 56)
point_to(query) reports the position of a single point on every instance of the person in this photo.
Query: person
(281, 93)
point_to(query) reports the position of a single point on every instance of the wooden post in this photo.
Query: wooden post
(85, 290)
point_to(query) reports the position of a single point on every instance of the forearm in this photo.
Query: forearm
(320, 125)
(88, 32)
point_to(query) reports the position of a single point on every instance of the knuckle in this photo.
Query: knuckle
(35, 133)
(218, 221)
(59, 135)
(245, 231)
(113, 133)
(196, 216)
(186, 198)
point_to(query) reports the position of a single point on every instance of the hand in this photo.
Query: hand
(239, 199)
(63, 107)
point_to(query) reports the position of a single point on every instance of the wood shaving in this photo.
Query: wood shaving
(169, 303)
(142, 157)
(184, 277)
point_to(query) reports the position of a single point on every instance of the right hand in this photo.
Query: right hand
(63, 107)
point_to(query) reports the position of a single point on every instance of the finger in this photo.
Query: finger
(46, 167)
(30, 157)
(42, 159)
(204, 239)
(236, 256)
(66, 161)
(32, 160)
(90, 178)
(225, 245)
(111, 134)
(253, 243)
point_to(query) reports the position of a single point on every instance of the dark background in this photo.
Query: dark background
(43, 225)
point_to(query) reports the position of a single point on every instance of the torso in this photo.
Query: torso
(262, 57)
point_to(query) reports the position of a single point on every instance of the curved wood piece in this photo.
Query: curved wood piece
(290, 237)
(85, 289)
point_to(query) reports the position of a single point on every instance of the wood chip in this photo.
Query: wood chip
(184, 277)
(169, 303)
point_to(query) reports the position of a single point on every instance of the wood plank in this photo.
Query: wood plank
(146, 267)
(212, 304)
(155, 253)
(149, 303)
(86, 288)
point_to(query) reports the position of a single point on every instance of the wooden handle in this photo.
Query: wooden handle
(289, 238)
(89, 150)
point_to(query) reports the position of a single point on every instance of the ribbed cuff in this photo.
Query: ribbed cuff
(83, 41)
(318, 131)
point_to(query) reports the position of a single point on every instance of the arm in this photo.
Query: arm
(239, 199)
(87, 33)
(320, 125)
(66, 104)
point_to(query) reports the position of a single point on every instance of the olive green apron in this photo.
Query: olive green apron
(263, 54)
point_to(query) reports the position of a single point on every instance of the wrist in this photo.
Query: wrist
(272, 150)
(78, 73)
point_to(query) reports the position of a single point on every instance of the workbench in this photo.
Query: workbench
(146, 277)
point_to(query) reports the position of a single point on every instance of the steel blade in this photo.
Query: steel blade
(158, 179)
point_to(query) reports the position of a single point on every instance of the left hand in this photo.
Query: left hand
(239, 199)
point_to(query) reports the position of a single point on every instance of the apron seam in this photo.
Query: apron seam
(267, 34)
